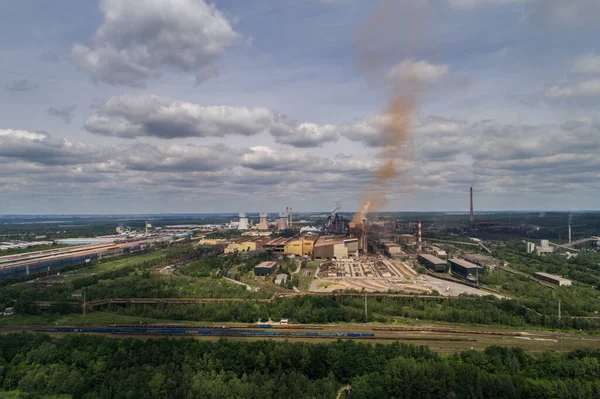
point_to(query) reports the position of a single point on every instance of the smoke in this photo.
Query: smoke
(376, 51)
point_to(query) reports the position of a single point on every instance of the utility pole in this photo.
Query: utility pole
(559, 310)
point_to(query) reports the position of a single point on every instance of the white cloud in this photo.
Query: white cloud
(139, 40)
(418, 71)
(588, 64)
(306, 135)
(131, 116)
(7, 134)
(149, 115)
(588, 89)
(449, 155)
(42, 149)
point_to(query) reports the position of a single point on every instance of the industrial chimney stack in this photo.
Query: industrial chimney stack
(471, 216)
(419, 242)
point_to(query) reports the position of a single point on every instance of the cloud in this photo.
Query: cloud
(131, 116)
(63, 113)
(541, 160)
(588, 64)
(306, 135)
(177, 158)
(418, 71)
(587, 89)
(41, 148)
(140, 40)
(21, 85)
(149, 115)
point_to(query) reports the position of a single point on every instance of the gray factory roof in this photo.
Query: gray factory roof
(433, 259)
(552, 277)
(464, 263)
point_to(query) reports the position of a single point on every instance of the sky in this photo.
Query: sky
(167, 106)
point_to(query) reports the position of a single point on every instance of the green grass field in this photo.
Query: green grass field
(112, 265)
(306, 280)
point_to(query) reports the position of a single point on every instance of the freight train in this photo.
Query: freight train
(39, 262)
(218, 332)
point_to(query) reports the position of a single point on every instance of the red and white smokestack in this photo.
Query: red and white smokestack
(419, 242)
(471, 215)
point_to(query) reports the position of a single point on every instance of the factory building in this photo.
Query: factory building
(465, 268)
(246, 245)
(302, 245)
(432, 263)
(550, 278)
(264, 268)
(335, 247)
(544, 248)
(39, 262)
(407, 239)
(437, 252)
(276, 245)
(530, 247)
(391, 248)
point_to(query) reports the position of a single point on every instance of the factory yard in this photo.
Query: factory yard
(379, 274)
(449, 288)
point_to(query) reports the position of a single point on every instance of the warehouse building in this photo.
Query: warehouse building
(264, 268)
(276, 245)
(552, 279)
(391, 248)
(407, 239)
(335, 247)
(465, 269)
(36, 263)
(433, 263)
(302, 245)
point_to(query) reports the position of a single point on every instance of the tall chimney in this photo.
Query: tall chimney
(471, 216)
(569, 232)
(290, 221)
(146, 226)
(419, 242)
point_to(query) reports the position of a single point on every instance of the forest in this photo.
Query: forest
(85, 366)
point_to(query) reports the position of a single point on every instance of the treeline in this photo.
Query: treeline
(312, 309)
(87, 366)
